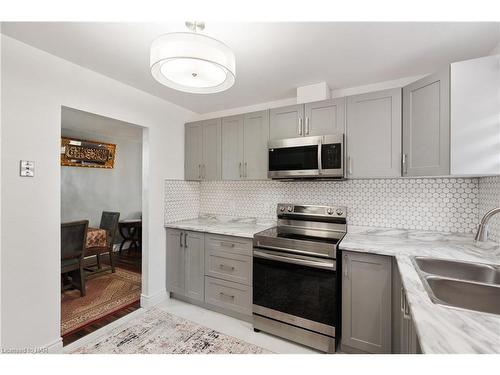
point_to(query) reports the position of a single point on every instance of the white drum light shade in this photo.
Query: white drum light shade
(192, 62)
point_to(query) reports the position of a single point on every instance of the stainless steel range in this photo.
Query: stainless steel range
(295, 282)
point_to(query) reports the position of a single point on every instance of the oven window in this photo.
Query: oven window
(331, 156)
(306, 292)
(293, 158)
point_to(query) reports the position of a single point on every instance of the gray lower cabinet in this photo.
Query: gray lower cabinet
(211, 270)
(374, 134)
(244, 146)
(404, 335)
(366, 303)
(202, 159)
(426, 126)
(186, 263)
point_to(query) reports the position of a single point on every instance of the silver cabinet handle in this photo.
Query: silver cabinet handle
(222, 294)
(324, 264)
(320, 166)
(346, 273)
(245, 170)
(185, 240)
(405, 164)
(204, 171)
(180, 239)
(226, 244)
(307, 125)
(199, 171)
(224, 266)
(300, 126)
(349, 165)
(239, 169)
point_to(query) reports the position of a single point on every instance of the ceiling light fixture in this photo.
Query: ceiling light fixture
(192, 62)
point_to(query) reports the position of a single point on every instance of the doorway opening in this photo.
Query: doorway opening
(101, 221)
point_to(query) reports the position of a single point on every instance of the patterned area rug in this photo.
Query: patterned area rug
(106, 293)
(158, 332)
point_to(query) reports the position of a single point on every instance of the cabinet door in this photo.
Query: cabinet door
(286, 122)
(232, 148)
(175, 262)
(366, 302)
(195, 265)
(256, 136)
(212, 160)
(426, 126)
(475, 116)
(374, 134)
(193, 155)
(324, 117)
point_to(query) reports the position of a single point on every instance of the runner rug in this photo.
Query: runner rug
(158, 332)
(106, 294)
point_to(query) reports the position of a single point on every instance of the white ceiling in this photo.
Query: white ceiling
(272, 59)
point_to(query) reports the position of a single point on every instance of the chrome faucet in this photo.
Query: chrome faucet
(482, 231)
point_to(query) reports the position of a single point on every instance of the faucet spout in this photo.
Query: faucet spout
(482, 229)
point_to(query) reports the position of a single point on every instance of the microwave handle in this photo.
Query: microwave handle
(320, 167)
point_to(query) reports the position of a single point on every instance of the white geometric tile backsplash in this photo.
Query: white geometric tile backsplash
(489, 197)
(442, 204)
(182, 200)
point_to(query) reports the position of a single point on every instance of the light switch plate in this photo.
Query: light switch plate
(27, 168)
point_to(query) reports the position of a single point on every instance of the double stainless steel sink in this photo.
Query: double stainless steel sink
(471, 286)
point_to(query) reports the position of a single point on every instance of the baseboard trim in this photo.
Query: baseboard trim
(55, 347)
(148, 301)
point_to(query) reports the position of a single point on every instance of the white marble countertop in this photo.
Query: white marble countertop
(440, 329)
(228, 225)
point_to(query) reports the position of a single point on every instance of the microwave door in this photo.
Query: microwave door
(297, 161)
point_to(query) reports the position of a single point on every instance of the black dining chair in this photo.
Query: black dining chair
(109, 222)
(73, 237)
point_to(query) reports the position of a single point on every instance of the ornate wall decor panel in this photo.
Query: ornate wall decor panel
(91, 154)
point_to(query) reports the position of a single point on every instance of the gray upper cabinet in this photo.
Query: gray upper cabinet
(374, 134)
(302, 120)
(244, 146)
(366, 303)
(186, 263)
(193, 158)
(426, 126)
(232, 147)
(256, 136)
(324, 117)
(212, 168)
(203, 150)
(286, 122)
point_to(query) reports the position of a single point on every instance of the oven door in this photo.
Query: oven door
(295, 289)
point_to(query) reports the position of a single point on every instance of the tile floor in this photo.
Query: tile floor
(222, 323)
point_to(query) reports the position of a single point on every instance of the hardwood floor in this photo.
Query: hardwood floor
(129, 260)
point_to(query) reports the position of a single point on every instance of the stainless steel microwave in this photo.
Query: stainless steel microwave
(307, 157)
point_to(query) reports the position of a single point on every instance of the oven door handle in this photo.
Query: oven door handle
(323, 264)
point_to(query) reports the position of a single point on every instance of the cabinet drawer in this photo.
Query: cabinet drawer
(228, 295)
(230, 244)
(228, 266)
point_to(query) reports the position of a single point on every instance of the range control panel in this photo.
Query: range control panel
(328, 211)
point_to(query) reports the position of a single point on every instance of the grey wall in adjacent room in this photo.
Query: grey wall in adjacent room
(86, 192)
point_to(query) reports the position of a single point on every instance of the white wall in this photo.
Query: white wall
(35, 85)
(86, 192)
